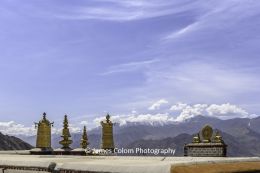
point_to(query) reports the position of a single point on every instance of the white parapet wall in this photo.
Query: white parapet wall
(13, 163)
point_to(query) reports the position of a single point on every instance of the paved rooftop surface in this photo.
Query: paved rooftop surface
(122, 164)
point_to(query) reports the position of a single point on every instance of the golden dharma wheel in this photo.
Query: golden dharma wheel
(207, 133)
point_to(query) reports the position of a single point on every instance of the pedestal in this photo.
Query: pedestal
(41, 151)
(205, 150)
(79, 152)
(62, 151)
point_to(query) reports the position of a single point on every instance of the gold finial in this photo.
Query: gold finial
(44, 115)
(108, 118)
(65, 122)
(207, 132)
(84, 141)
(196, 139)
(66, 141)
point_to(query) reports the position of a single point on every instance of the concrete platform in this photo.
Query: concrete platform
(122, 164)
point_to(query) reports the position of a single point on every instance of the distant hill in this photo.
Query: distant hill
(13, 143)
(176, 143)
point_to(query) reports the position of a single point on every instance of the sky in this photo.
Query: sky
(139, 60)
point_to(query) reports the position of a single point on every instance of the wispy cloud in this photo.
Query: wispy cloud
(220, 16)
(117, 10)
(128, 67)
(199, 81)
(182, 31)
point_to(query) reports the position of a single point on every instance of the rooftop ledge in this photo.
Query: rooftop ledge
(126, 164)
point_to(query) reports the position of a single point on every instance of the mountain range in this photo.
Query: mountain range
(242, 135)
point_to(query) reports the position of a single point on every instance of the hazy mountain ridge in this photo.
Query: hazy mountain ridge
(234, 147)
(13, 143)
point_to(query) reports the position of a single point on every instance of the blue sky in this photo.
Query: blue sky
(89, 57)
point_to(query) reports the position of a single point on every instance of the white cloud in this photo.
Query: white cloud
(191, 111)
(152, 119)
(13, 128)
(16, 129)
(73, 128)
(225, 110)
(253, 115)
(84, 123)
(134, 112)
(179, 106)
(158, 104)
(222, 111)
(180, 112)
